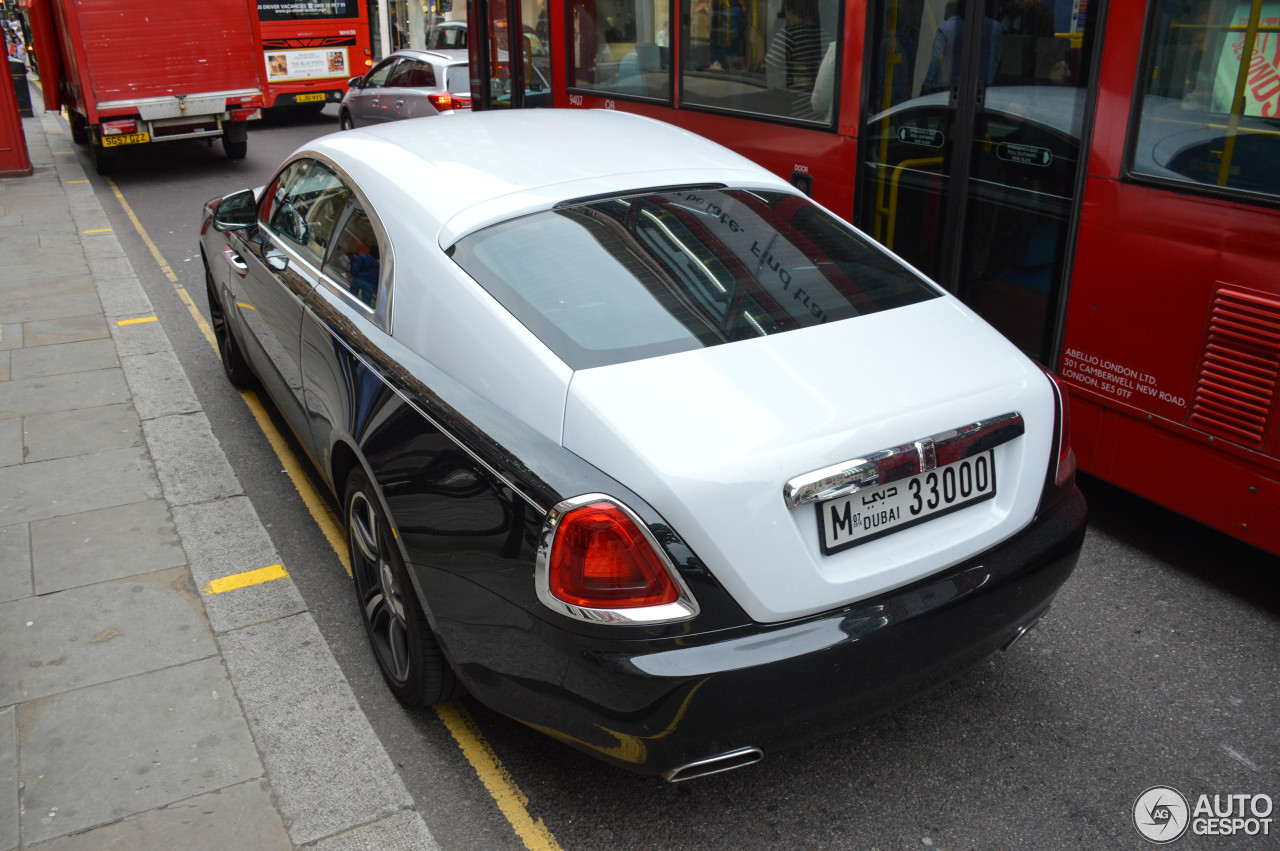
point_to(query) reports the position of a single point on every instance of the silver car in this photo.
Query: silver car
(408, 84)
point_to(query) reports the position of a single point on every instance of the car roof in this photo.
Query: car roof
(466, 171)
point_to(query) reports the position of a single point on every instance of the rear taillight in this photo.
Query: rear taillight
(445, 101)
(1062, 468)
(598, 562)
(113, 128)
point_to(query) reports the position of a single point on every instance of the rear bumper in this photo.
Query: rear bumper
(651, 706)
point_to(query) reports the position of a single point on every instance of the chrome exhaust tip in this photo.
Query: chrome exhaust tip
(714, 764)
(1025, 628)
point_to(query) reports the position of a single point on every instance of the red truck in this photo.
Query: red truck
(135, 72)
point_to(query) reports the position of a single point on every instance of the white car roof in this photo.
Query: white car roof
(466, 171)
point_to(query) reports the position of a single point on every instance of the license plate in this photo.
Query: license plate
(125, 139)
(875, 512)
(309, 98)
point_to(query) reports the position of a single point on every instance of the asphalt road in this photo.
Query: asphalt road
(1158, 664)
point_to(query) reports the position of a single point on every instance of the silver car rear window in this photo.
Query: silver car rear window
(618, 279)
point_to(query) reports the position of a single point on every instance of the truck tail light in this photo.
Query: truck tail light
(598, 562)
(113, 128)
(445, 101)
(1062, 466)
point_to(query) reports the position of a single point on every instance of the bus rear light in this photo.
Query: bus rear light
(114, 128)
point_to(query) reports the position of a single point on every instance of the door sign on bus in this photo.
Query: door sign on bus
(1026, 154)
(921, 136)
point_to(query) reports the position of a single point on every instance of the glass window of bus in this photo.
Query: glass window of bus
(1210, 111)
(774, 58)
(293, 10)
(621, 47)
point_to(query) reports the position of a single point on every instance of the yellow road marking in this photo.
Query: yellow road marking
(244, 580)
(75, 181)
(142, 232)
(136, 321)
(512, 803)
(97, 230)
(245, 306)
(510, 800)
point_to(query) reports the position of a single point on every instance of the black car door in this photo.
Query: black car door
(282, 261)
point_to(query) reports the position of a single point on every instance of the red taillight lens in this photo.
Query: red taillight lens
(445, 101)
(601, 560)
(1062, 471)
(111, 128)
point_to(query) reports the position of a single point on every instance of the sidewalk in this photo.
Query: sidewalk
(135, 711)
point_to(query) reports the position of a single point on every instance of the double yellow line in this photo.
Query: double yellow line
(511, 802)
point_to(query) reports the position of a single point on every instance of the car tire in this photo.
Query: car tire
(407, 651)
(344, 121)
(233, 362)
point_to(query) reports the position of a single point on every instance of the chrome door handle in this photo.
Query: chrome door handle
(235, 260)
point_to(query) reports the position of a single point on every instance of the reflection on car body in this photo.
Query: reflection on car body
(590, 423)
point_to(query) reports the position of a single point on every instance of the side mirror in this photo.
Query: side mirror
(356, 83)
(235, 211)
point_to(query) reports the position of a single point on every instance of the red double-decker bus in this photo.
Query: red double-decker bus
(1099, 179)
(310, 49)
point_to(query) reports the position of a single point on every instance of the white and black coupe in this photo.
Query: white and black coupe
(634, 441)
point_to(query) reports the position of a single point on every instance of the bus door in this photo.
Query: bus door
(511, 64)
(971, 148)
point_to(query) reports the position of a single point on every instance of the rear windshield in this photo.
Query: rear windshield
(619, 279)
(458, 79)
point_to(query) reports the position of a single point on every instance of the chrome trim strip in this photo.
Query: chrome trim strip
(902, 462)
(683, 608)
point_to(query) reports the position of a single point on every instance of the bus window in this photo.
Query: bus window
(1210, 114)
(621, 47)
(770, 58)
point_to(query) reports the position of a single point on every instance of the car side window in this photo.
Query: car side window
(378, 76)
(309, 209)
(279, 188)
(356, 261)
(420, 75)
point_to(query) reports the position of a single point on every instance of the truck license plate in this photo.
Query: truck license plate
(125, 139)
(874, 512)
(309, 98)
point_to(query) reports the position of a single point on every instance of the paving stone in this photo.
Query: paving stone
(159, 385)
(102, 753)
(238, 818)
(10, 335)
(49, 332)
(225, 538)
(404, 831)
(63, 358)
(10, 442)
(99, 633)
(327, 767)
(51, 303)
(15, 562)
(4, 366)
(80, 432)
(98, 546)
(189, 460)
(140, 338)
(74, 485)
(8, 779)
(62, 393)
(123, 297)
